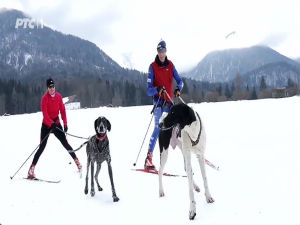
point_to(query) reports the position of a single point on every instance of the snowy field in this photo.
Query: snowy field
(255, 143)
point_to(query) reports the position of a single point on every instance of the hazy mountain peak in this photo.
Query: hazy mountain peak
(24, 50)
(224, 65)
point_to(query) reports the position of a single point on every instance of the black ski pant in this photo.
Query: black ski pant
(60, 136)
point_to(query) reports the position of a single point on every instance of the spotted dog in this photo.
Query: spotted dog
(183, 127)
(97, 150)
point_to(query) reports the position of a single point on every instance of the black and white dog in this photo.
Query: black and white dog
(183, 127)
(97, 150)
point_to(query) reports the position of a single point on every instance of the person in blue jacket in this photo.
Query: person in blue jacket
(159, 82)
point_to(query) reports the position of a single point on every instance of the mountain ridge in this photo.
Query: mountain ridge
(30, 52)
(225, 65)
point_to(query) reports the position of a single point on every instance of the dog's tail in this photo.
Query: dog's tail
(75, 150)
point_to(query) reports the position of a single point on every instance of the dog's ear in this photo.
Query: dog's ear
(95, 125)
(187, 116)
(108, 124)
(190, 115)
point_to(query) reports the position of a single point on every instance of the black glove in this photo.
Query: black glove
(65, 128)
(177, 92)
(53, 126)
(160, 90)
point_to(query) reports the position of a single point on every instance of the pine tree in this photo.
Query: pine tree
(238, 82)
(227, 93)
(263, 84)
(185, 86)
(219, 89)
(291, 83)
(232, 88)
(253, 94)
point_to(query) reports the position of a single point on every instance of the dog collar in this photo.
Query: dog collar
(101, 138)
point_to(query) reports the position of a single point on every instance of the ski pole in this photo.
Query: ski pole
(31, 154)
(134, 164)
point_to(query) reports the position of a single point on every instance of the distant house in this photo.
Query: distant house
(71, 102)
(280, 93)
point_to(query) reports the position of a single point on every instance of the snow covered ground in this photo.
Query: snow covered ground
(255, 143)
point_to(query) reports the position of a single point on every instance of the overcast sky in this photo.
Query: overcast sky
(129, 30)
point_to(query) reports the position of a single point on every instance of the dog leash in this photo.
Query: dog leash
(75, 150)
(199, 134)
(181, 99)
(72, 135)
(176, 96)
(169, 97)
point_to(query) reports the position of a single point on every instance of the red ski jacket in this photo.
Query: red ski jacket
(51, 106)
(164, 77)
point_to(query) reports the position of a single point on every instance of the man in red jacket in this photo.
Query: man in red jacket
(160, 80)
(51, 105)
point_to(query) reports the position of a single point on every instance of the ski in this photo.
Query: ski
(43, 180)
(156, 172)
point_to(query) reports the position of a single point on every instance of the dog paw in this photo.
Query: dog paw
(92, 193)
(86, 191)
(116, 199)
(209, 199)
(100, 188)
(161, 193)
(192, 212)
(192, 215)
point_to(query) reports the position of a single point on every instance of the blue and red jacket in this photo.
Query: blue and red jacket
(51, 106)
(162, 74)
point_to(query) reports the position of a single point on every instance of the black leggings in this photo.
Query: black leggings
(60, 136)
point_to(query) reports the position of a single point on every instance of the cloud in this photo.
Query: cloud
(274, 40)
(128, 31)
(127, 60)
(91, 21)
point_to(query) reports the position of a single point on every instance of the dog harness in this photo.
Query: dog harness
(199, 134)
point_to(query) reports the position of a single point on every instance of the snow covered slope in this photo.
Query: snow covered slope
(255, 143)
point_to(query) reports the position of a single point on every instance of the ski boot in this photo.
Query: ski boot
(148, 162)
(31, 174)
(79, 166)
